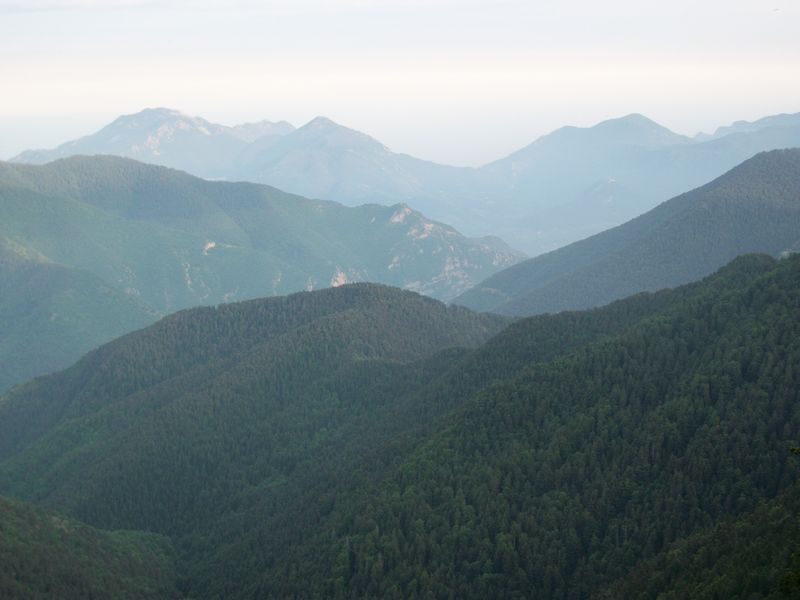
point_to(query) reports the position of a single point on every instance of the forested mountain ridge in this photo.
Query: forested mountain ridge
(564, 477)
(49, 556)
(136, 241)
(278, 347)
(329, 444)
(755, 207)
(298, 243)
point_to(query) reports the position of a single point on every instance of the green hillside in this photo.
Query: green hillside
(50, 314)
(367, 442)
(284, 374)
(138, 241)
(753, 208)
(741, 558)
(48, 556)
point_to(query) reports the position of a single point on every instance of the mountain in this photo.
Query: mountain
(132, 242)
(323, 159)
(219, 397)
(50, 556)
(577, 182)
(50, 314)
(364, 441)
(166, 137)
(782, 120)
(755, 207)
(563, 187)
(564, 477)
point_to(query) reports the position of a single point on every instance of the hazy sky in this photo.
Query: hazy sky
(461, 82)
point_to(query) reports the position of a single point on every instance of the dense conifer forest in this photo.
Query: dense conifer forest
(50, 556)
(366, 442)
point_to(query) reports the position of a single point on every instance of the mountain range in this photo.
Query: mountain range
(564, 186)
(755, 207)
(167, 137)
(93, 247)
(364, 441)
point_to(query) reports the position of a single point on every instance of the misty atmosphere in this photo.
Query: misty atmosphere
(377, 299)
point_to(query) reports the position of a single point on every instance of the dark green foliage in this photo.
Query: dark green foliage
(48, 556)
(196, 417)
(746, 558)
(753, 208)
(557, 482)
(336, 444)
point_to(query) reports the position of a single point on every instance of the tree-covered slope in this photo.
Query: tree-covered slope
(49, 314)
(169, 426)
(558, 481)
(334, 444)
(49, 556)
(754, 556)
(219, 426)
(753, 208)
(157, 240)
(227, 241)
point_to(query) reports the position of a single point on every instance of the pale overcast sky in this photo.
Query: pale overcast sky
(461, 82)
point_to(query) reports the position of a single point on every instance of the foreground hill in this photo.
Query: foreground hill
(753, 208)
(48, 556)
(739, 558)
(125, 242)
(283, 373)
(562, 187)
(336, 444)
(563, 477)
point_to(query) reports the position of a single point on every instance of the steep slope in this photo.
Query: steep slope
(323, 159)
(259, 365)
(550, 160)
(329, 444)
(267, 241)
(562, 478)
(577, 182)
(755, 556)
(166, 137)
(753, 208)
(118, 243)
(49, 314)
(49, 556)
(265, 405)
(238, 408)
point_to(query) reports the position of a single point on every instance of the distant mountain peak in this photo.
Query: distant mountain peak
(162, 110)
(321, 121)
(160, 124)
(335, 134)
(155, 114)
(638, 118)
(636, 124)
